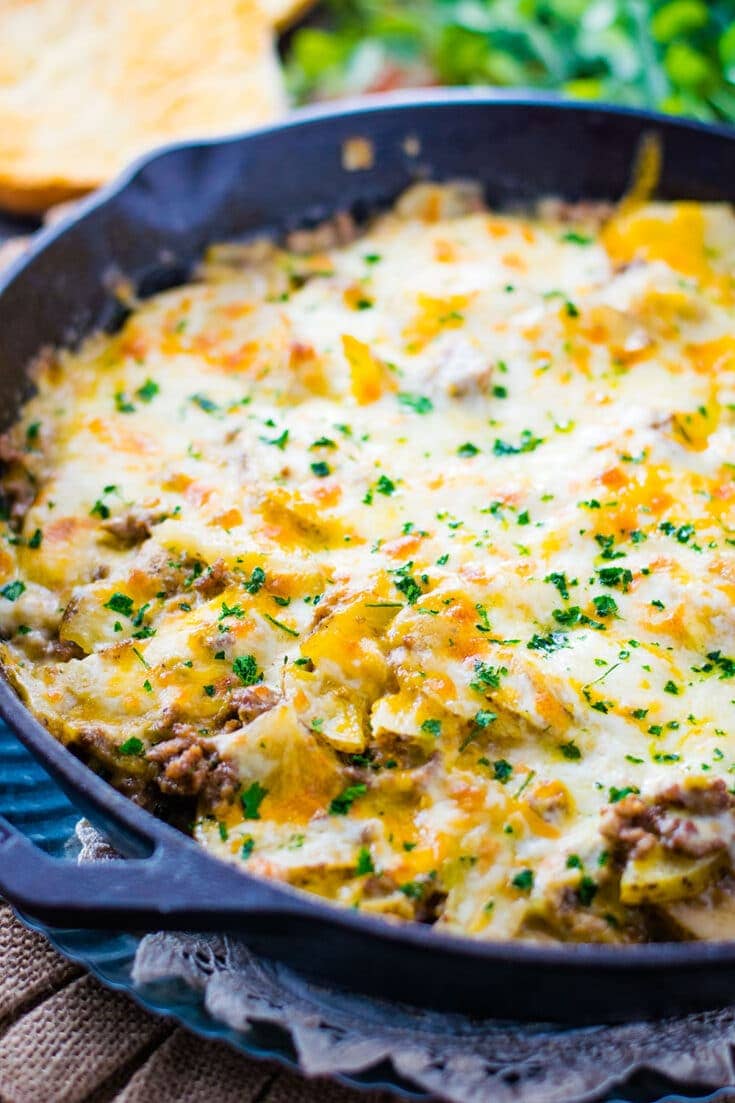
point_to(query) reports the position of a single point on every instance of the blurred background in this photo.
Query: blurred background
(675, 56)
(86, 86)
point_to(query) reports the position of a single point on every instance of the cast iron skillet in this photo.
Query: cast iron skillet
(151, 226)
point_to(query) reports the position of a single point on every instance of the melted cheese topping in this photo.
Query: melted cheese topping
(410, 559)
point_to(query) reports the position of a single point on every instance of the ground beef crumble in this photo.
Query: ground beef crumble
(636, 824)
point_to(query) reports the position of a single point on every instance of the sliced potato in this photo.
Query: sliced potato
(710, 916)
(660, 876)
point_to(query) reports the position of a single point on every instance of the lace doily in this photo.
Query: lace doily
(452, 1057)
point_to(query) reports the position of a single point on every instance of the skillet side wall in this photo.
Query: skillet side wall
(151, 227)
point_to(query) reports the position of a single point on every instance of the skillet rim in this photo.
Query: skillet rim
(84, 783)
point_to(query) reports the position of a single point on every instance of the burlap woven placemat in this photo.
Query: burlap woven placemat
(66, 1039)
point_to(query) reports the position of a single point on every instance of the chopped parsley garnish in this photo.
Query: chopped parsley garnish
(617, 577)
(528, 443)
(725, 666)
(11, 591)
(549, 643)
(607, 544)
(484, 718)
(206, 405)
(341, 804)
(251, 800)
(364, 862)
(468, 449)
(248, 846)
(570, 750)
(615, 795)
(560, 581)
(523, 880)
(246, 668)
(131, 746)
(407, 584)
(433, 727)
(281, 625)
(419, 403)
(575, 238)
(209, 691)
(605, 605)
(487, 677)
(123, 405)
(502, 771)
(148, 391)
(231, 611)
(120, 603)
(672, 687)
(256, 580)
(386, 486)
(586, 891)
(321, 469)
(35, 540)
(279, 442)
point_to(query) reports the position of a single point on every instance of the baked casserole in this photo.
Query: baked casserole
(399, 564)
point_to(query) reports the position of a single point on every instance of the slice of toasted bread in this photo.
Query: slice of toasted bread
(86, 85)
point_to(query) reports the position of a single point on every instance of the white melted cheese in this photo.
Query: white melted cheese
(459, 495)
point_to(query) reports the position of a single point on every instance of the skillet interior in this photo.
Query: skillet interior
(150, 228)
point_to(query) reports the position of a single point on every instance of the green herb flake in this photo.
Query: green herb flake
(341, 804)
(131, 746)
(11, 591)
(419, 403)
(251, 800)
(364, 862)
(523, 880)
(246, 668)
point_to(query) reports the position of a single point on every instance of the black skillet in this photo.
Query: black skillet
(151, 226)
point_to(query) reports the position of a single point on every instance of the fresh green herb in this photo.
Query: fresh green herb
(131, 746)
(615, 794)
(549, 643)
(487, 677)
(528, 443)
(432, 727)
(35, 540)
(148, 391)
(364, 862)
(123, 405)
(385, 486)
(341, 804)
(586, 891)
(570, 750)
(419, 403)
(502, 771)
(251, 800)
(11, 591)
(231, 611)
(281, 625)
(523, 880)
(246, 668)
(321, 469)
(256, 580)
(120, 603)
(560, 581)
(468, 449)
(605, 605)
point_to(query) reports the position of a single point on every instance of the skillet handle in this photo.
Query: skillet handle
(177, 887)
